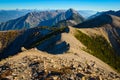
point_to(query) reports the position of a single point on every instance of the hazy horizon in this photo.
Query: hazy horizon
(95, 5)
(47, 9)
(56, 9)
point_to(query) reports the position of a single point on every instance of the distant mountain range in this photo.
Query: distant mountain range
(116, 13)
(6, 15)
(44, 18)
(86, 13)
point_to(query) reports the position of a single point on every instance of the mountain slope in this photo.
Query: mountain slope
(115, 13)
(74, 64)
(38, 36)
(45, 18)
(96, 22)
(110, 24)
(98, 28)
(7, 37)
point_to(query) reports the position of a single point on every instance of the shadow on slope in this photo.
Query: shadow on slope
(53, 45)
(44, 38)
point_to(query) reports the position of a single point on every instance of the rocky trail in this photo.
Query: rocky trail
(36, 65)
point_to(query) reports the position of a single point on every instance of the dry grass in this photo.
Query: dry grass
(7, 37)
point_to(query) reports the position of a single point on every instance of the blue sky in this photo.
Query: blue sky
(98, 5)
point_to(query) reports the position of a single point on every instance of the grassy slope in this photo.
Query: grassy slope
(99, 47)
(7, 37)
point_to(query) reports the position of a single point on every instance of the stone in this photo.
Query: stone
(80, 75)
(55, 77)
(83, 78)
(0, 45)
(23, 49)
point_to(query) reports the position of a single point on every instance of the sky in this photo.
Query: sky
(96, 5)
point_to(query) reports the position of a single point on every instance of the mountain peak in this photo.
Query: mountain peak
(71, 10)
